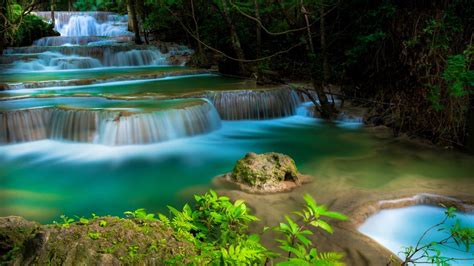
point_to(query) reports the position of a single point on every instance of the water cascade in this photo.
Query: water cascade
(89, 23)
(24, 125)
(89, 40)
(79, 40)
(110, 126)
(254, 104)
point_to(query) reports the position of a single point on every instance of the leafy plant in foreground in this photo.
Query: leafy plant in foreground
(300, 249)
(218, 227)
(422, 253)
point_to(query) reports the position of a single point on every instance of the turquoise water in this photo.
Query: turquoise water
(96, 103)
(96, 73)
(398, 228)
(167, 86)
(43, 179)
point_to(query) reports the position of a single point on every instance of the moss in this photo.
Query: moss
(129, 241)
(257, 170)
(14, 231)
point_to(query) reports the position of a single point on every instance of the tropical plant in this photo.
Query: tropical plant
(218, 227)
(219, 230)
(300, 249)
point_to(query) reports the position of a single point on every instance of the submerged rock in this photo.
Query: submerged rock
(99, 241)
(265, 173)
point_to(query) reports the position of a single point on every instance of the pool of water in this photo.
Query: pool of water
(167, 86)
(97, 103)
(403, 227)
(97, 73)
(41, 180)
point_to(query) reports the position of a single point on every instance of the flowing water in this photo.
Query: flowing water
(92, 123)
(404, 227)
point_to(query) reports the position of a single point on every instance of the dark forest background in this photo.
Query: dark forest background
(409, 61)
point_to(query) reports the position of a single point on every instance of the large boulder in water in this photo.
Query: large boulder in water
(267, 172)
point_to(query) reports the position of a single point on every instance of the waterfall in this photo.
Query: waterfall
(108, 126)
(254, 104)
(55, 61)
(136, 58)
(79, 40)
(75, 125)
(62, 17)
(81, 57)
(89, 40)
(89, 23)
(125, 129)
(24, 125)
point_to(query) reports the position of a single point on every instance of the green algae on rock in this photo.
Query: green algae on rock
(99, 241)
(265, 173)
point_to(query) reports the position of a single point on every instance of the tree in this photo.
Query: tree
(132, 17)
(223, 6)
(326, 109)
(53, 6)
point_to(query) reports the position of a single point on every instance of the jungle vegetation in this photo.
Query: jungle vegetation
(410, 61)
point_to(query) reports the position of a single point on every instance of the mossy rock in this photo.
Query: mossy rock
(267, 172)
(100, 241)
(14, 231)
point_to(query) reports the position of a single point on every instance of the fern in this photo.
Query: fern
(329, 259)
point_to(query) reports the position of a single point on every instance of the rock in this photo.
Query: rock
(14, 231)
(264, 173)
(100, 241)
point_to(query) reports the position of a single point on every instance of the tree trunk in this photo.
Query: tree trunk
(202, 60)
(69, 5)
(258, 32)
(53, 20)
(234, 38)
(132, 15)
(326, 108)
(324, 55)
(470, 126)
(3, 10)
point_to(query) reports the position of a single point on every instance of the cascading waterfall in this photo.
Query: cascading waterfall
(251, 104)
(62, 17)
(24, 125)
(79, 40)
(89, 40)
(56, 61)
(74, 125)
(89, 23)
(108, 127)
(135, 58)
(118, 129)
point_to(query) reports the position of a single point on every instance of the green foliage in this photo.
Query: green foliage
(65, 221)
(463, 237)
(457, 74)
(458, 77)
(102, 223)
(94, 235)
(82, 220)
(299, 247)
(218, 229)
(140, 214)
(101, 5)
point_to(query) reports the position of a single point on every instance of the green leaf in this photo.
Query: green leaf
(323, 225)
(335, 215)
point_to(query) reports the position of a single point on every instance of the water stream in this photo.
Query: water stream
(90, 123)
